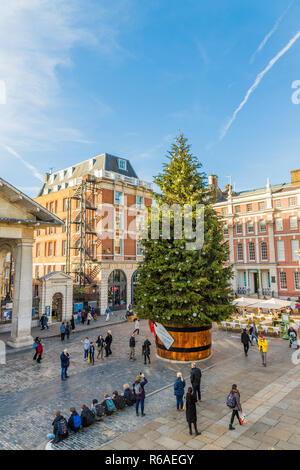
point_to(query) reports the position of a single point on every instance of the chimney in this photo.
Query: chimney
(212, 182)
(295, 176)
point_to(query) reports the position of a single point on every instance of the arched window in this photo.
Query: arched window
(117, 290)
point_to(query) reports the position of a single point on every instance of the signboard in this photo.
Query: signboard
(78, 307)
(47, 310)
(285, 318)
(163, 335)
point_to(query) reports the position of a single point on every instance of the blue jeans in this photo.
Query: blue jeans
(63, 372)
(137, 404)
(86, 354)
(254, 336)
(179, 400)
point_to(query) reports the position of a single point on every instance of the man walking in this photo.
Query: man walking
(253, 334)
(245, 340)
(196, 380)
(132, 347)
(146, 351)
(136, 326)
(62, 331)
(65, 362)
(108, 341)
(263, 347)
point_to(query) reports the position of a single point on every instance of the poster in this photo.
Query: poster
(163, 335)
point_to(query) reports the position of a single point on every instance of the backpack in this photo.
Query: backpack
(62, 427)
(130, 399)
(76, 421)
(120, 402)
(231, 401)
(138, 389)
(110, 406)
(100, 410)
(34, 345)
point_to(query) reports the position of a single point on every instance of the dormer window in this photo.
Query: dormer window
(70, 171)
(122, 164)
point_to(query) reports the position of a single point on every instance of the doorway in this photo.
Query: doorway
(57, 304)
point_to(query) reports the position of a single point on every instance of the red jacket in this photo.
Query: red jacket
(39, 349)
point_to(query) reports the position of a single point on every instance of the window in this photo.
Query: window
(118, 198)
(64, 248)
(224, 211)
(139, 248)
(251, 251)
(63, 229)
(297, 280)
(293, 222)
(225, 229)
(282, 280)
(278, 203)
(295, 248)
(280, 250)
(261, 206)
(250, 227)
(38, 233)
(278, 225)
(239, 228)
(249, 207)
(65, 205)
(50, 230)
(118, 246)
(122, 164)
(262, 225)
(38, 250)
(264, 251)
(237, 209)
(292, 201)
(50, 249)
(239, 250)
(139, 201)
(118, 221)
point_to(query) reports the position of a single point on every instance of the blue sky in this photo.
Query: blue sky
(83, 77)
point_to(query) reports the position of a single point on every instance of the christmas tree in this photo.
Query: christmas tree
(177, 285)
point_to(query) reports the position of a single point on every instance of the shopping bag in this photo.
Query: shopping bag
(243, 419)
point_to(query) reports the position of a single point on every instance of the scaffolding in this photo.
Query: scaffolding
(81, 230)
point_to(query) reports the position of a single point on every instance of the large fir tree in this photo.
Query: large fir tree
(176, 285)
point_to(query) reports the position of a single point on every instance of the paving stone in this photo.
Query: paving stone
(169, 443)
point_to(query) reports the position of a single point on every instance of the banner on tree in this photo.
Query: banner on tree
(163, 335)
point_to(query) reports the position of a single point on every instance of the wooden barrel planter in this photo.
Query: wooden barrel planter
(190, 343)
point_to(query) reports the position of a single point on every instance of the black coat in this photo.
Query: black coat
(195, 376)
(245, 338)
(87, 417)
(146, 347)
(132, 342)
(191, 410)
(108, 340)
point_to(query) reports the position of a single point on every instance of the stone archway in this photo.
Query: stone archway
(57, 307)
(56, 296)
(117, 290)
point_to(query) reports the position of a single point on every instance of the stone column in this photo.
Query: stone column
(22, 302)
(103, 290)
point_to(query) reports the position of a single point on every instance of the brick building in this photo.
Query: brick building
(102, 202)
(262, 229)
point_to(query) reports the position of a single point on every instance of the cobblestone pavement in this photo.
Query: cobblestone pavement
(30, 393)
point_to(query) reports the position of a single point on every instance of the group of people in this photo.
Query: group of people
(86, 315)
(192, 397)
(247, 339)
(145, 349)
(38, 349)
(110, 404)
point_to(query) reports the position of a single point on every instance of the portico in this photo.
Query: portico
(19, 217)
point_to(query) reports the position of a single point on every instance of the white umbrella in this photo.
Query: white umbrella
(244, 301)
(272, 303)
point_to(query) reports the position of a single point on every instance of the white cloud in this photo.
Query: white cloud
(257, 81)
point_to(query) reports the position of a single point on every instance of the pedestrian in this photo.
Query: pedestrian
(68, 330)
(74, 422)
(62, 331)
(107, 313)
(191, 410)
(65, 362)
(196, 380)
(132, 347)
(87, 416)
(73, 322)
(263, 347)
(253, 333)
(89, 318)
(100, 346)
(245, 340)
(139, 393)
(136, 326)
(146, 351)
(86, 348)
(108, 341)
(42, 322)
(179, 385)
(234, 402)
(35, 345)
(39, 351)
(92, 353)
(83, 317)
(60, 428)
(78, 317)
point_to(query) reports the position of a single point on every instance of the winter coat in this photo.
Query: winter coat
(195, 376)
(179, 387)
(238, 406)
(146, 347)
(191, 410)
(245, 338)
(263, 345)
(108, 340)
(63, 329)
(87, 417)
(65, 360)
(132, 342)
(39, 349)
(141, 395)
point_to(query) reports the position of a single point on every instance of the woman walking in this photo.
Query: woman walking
(191, 410)
(234, 398)
(39, 351)
(179, 391)
(100, 346)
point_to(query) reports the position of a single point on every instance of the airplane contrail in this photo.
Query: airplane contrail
(257, 82)
(28, 165)
(271, 32)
